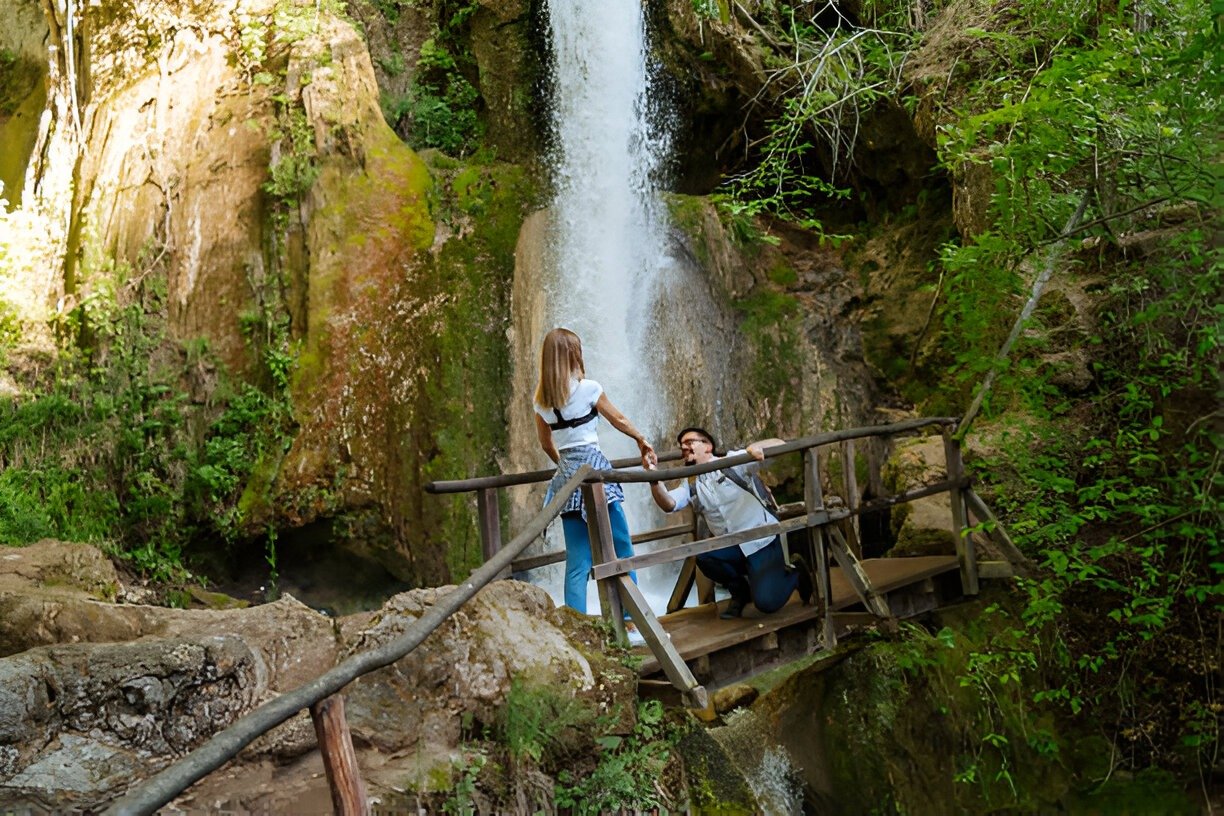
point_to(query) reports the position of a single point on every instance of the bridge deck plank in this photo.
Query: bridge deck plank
(698, 631)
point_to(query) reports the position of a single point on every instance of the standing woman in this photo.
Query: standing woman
(567, 407)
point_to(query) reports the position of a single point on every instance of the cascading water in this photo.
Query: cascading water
(608, 256)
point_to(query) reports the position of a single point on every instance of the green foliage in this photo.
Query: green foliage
(442, 108)
(295, 165)
(1117, 496)
(391, 9)
(535, 721)
(110, 450)
(709, 9)
(467, 772)
(821, 82)
(598, 767)
(628, 768)
(98, 458)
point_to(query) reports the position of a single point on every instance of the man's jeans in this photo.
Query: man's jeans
(761, 577)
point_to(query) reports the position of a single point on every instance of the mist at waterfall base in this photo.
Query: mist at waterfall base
(608, 257)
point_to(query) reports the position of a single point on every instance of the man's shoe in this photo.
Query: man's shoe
(733, 609)
(805, 579)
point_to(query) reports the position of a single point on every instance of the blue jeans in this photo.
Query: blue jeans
(578, 552)
(761, 577)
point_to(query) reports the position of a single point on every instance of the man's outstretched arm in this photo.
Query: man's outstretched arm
(757, 449)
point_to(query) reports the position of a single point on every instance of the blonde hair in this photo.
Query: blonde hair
(560, 362)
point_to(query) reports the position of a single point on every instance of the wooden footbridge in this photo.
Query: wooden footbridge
(688, 650)
(696, 650)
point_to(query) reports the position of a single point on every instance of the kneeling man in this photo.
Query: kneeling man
(756, 570)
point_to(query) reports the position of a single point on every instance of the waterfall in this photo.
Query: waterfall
(608, 252)
(610, 230)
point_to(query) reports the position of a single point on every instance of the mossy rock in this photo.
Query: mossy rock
(715, 784)
(23, 96)
(913, 541)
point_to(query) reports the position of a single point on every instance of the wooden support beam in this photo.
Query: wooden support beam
(677, 552)
(766, 643)
(850, 483)
(670, 531)
(813, 499)
(966, 552)
(796, 510)
(845, 621)
(684, 585)
(994, 529)
(537, 561)
(855, 575)
(599, 529)
(348, 792)
(557, 556)
(488, 514)
(660, 644)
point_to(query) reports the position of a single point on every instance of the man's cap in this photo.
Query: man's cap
(700, 430)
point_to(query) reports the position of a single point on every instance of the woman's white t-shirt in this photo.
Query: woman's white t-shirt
(583, 396)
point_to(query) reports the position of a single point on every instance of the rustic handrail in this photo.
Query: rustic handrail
(637, 474)
(528, 477)
(223, 746)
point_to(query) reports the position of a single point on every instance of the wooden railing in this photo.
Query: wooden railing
(831, 531)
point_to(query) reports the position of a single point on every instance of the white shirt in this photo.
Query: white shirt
(727, 507)
(583, 396)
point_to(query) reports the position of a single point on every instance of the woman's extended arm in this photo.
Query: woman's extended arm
(621, 423)
(545, 435)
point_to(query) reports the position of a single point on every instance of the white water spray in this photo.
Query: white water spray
(609, 255)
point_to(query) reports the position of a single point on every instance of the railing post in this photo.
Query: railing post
(850, 480)
(599, 530)
(488, 514)
(348, 793)
(966, 552)
(813, 499)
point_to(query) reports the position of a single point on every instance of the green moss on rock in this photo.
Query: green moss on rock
(771, 325)
(715, 785)
(460, 427)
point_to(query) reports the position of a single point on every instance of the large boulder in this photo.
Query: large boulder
(460, 676)
(923, 526)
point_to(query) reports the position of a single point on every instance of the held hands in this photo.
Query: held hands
(649, 459)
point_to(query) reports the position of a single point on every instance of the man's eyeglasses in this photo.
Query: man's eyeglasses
(688, 443)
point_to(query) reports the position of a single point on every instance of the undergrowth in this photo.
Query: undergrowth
(547, 751)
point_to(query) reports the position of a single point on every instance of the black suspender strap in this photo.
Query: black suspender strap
(562, 422)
